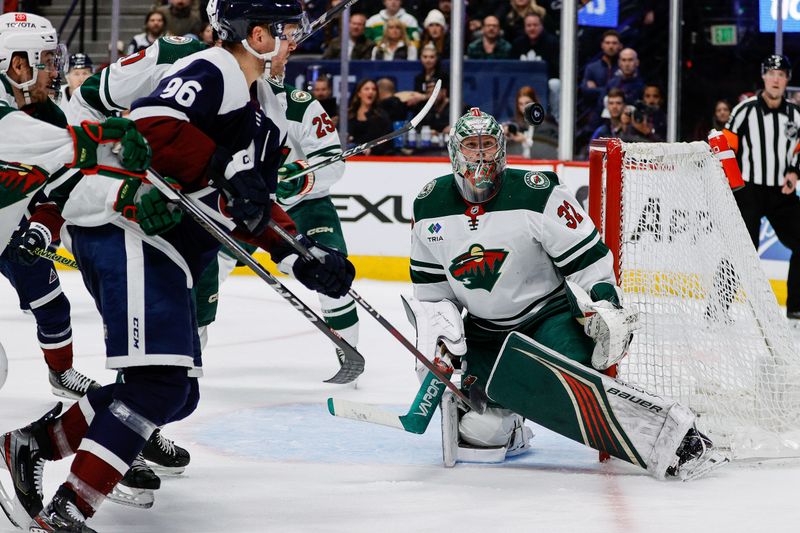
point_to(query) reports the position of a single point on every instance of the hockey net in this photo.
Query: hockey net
(712, 334)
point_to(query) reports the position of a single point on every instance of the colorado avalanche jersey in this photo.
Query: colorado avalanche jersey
(506, 260)
(114, 88)
(312, 137)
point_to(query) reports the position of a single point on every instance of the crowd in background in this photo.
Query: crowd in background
(616, 96)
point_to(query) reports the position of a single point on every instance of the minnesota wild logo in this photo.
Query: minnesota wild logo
(18, 181)
(478, 268)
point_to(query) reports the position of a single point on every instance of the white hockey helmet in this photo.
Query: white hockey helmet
(32, 35)
(477, 149)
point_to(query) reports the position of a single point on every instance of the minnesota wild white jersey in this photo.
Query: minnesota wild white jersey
(114, 88)
(312, 137)
(506, 260)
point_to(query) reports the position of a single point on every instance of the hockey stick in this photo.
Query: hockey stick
(415, 421)
(56, 258)
(324, 19)
(353, 363)
(477, 397)
(410, 125)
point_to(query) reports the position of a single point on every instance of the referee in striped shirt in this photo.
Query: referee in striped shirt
(763, 130)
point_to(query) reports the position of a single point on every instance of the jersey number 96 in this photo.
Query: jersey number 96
(183, 93)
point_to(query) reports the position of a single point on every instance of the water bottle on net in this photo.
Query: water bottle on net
(425, 137)
(399, 140)
(411, 141)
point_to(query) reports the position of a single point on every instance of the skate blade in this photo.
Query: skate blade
(138, 498)
(702, 466)
(65, 394)
(13, 509)
(166, 470)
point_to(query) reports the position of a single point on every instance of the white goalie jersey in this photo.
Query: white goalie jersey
(506, 260)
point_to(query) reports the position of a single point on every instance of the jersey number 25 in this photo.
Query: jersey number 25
(324, 125)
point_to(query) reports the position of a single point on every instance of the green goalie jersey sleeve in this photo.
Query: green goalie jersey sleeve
(114, 88)
(506, 260)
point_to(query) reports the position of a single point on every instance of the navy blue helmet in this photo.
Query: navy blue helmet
(233, 19)
(776, 62)
(80, 60)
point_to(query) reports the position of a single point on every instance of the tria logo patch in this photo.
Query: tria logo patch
(478, 268)
(435, 228)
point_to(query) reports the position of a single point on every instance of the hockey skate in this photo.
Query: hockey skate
(696, 457)
(22, 453)
(454, 449)
(71, 384)
(164, 455)
(136, 488)
(61, 515)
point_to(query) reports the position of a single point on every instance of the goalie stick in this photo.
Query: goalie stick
(477, 397)
(353, 363)
(410, 125)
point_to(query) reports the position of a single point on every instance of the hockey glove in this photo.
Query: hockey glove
(440, 331)
(245, 190)
(610, 325)
(135, 153)
(140, 202)
(24, 242)
(289, 188)
(329, 273)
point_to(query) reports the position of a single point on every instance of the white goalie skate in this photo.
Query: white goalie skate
(454, 449)
(696, 457)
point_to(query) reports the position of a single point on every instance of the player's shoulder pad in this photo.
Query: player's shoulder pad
(297, 101)
(528, 189)
(174, 47)
(438, 198)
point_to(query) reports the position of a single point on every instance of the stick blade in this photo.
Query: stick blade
(349, 372)
(363, 412)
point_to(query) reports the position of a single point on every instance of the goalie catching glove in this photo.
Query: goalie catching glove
(140, 202)
(437, 323)
(329, 272)
(289, 188)
(245, 190)
(610, 325)
(134, 154)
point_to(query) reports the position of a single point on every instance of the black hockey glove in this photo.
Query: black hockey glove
(25, 240)
(245, 189)
(330, 272)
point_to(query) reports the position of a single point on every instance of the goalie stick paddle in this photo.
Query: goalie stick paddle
(477, 397)
(324, 19)
(353, 364)
(410, 125)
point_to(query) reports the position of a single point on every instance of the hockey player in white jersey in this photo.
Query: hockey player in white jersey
(518, 254)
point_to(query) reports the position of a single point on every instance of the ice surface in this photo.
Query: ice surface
(267, 457)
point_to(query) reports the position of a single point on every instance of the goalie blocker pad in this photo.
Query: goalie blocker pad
(588, 407)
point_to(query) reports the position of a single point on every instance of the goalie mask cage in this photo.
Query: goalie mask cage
(711, 332)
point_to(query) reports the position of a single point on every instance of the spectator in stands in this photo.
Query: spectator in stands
(490, 45)
(322, 89)
(438, 118)
(207, 34)
(635, 129)
(154, 27)
(598, 72)
(519, 135)
(512, 16)
(435, 33)
(627, 76)
(359, 48)
(654, 123)
(182, 18)
(394, 44)
(431, 70)
(615, 105)
(366, 120)
(392, 9)
(537, 44)
(722, 114)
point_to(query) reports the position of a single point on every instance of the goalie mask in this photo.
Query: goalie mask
(233, 20)
(35, 37)
(477, 149)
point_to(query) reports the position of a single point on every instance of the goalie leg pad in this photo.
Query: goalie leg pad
(586, 406)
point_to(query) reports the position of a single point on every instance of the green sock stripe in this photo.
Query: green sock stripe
(343, 321)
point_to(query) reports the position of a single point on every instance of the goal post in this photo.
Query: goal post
(711, 332)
